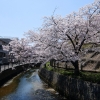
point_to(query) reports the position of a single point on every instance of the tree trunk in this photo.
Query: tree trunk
(54, 64)
(76, 66)
(0, 67)
(58, 64)
(45, 65)
(51, 62)
(66, 65)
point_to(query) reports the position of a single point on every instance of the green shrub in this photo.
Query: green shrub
(87, 76)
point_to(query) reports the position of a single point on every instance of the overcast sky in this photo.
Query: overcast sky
(19, 16)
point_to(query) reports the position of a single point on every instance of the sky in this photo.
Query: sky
(19, 16)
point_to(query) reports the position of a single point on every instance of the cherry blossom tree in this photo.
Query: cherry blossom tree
(62, 38)
(20, 49)
(70, 33)
(40, 53)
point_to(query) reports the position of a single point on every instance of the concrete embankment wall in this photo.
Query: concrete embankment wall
(10, 73)
(74, 89)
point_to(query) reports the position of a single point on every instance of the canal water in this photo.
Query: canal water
(28, 86)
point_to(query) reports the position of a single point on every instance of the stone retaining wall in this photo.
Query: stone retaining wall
(9, 74)
(74, 89)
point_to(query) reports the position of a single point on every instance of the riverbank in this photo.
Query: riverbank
(34, 88)
(72, 88)
(9, 86)
(9, 74)
(12, 72)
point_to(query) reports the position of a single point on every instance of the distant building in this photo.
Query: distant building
(4, 53)
(4, 41)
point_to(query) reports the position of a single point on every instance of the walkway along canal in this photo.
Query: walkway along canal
(27, 86)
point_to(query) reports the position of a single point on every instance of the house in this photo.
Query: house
(4, 41)
(4, 53)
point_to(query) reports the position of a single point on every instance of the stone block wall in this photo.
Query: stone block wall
(75, 89)
(9, 74)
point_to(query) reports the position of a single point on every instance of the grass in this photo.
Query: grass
(90, 76)
(86, 76)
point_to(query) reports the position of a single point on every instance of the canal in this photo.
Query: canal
(28, 86)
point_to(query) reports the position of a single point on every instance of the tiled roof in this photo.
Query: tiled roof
(3, 51)
(6, 40)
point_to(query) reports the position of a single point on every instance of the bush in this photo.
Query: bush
(86, 76)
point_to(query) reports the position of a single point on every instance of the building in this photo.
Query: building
(4, 53)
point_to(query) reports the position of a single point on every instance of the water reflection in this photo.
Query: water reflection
(30, 87)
